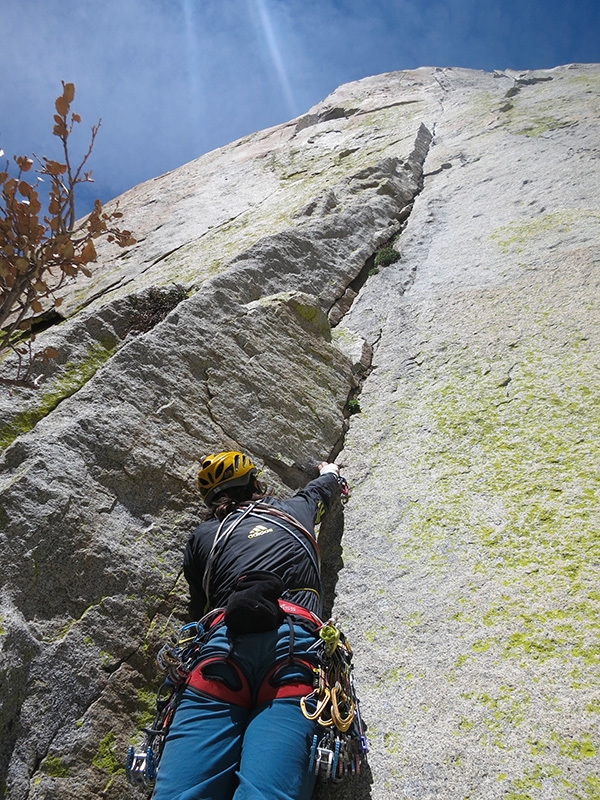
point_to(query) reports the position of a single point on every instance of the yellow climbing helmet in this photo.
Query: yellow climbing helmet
(223, 470)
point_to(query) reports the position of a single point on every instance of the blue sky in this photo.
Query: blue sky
(172, 79)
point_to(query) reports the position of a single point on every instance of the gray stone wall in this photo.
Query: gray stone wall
(464, 568)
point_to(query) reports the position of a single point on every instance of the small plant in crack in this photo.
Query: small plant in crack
(385, 256)
(353, 407)
(152, 307)
(27, 360)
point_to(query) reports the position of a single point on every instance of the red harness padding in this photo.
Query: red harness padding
(233, 687)
(291, 609)
(272, 689)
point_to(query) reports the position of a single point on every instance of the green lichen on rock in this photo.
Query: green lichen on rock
(532, 781)
(538, 125)
(575, 748)
(503, 711)
(54, 767)
(518, 235)
(107, 757)
(71, 378)
(531, 123)
(533, 114)
(498, 484)
(534, 456)
(146, 708)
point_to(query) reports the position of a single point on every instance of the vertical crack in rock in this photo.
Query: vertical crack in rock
(342, 307)
(332, 529)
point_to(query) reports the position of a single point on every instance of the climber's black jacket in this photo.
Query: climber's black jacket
(262, 544)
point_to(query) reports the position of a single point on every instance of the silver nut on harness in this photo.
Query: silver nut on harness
(141, 767)
(323, 762)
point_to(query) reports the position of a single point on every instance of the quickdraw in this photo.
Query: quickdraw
(344, 489)
(341, 746)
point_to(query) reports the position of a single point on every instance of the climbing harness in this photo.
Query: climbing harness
(340, 747)
(181, 660)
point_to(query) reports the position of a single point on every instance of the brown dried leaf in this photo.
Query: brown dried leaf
(49, 353)
(60, 130)
(62, 106)
(24, 163)
(88, 254)
(25, 189)
(36, 306)
(54, 167)
(67, 250)
(68, 91)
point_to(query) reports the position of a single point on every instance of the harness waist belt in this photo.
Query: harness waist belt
(290, 609)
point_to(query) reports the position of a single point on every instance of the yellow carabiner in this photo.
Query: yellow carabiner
(321, 704)
(340, 722)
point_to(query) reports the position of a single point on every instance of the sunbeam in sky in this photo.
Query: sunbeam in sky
(261, 11)
(194, 77)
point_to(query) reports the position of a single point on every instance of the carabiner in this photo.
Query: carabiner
(321, 705)
(330, 636)
(341, 723)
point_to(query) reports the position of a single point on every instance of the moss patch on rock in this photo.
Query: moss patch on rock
(72, 377)
(107, 757)
(54, 767)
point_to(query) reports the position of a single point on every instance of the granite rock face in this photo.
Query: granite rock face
(252, 309)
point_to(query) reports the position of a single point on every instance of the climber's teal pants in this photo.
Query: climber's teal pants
(225, 749)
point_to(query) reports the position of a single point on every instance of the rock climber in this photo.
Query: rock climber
(239, 731)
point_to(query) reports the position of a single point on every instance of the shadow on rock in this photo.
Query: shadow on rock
(330, 545)
(354, 787)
